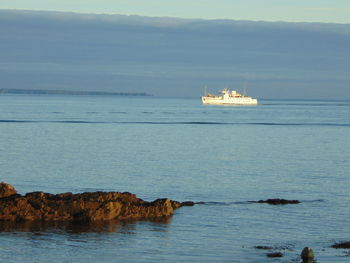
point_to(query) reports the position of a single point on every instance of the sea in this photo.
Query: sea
(222, 157)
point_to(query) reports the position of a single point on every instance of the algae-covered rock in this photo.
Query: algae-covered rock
(307, 255)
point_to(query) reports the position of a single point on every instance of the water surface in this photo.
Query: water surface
(182, 150)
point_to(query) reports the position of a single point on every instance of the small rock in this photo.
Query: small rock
(307, 254)
(274, 255)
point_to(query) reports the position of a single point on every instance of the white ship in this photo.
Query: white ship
(228, 98)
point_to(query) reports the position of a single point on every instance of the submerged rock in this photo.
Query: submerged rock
(274, 255)
(342, 245)
(187, 203)
(278, 201)
(95, 206)
(264, 247)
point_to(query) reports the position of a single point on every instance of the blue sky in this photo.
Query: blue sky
(330, 11)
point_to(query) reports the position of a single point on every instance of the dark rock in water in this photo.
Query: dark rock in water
(274, 255)
(279, 201)
(96, 206)
(264, 247)
(187, 203)
(342, 245)
(6, 190)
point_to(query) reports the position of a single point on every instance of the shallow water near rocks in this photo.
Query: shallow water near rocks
(182, 150)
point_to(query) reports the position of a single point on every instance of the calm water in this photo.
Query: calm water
(182, 150)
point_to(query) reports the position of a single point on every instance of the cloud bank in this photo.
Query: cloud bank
(173, 57)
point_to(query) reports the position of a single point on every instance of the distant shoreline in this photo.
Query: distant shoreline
(67, 92)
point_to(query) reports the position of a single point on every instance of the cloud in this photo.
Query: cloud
(168, 56)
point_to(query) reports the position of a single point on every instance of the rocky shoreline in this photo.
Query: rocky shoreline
(83, 207)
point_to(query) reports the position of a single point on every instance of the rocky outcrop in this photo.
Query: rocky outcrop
(95, 206)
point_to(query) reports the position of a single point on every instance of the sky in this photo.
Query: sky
(112, 52)
(328, 11)
(173, 57)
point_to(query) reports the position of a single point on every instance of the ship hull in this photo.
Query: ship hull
(229, 101)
